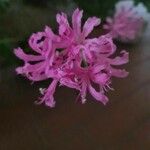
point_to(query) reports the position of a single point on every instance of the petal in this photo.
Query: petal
(41, 42)
(83, 92)
(51, 35)
(143, 12)
(33, 72)
(109, 20)
(48, 98)
(120, 73)
(106, 45)
(47, 48)
(89, 25)
(19, 70)
(97, 68)
(124, 5)
(101, 78)
(63, 23)
(120, 60)
(20, 54)
(28, 67)
(35, 41)
(69, 83)
(76, 21)
(108, 24)
(99, 96)
(106, 27)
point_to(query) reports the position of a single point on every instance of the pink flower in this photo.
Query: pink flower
(99, 71)
(72, 59)
(128, 22)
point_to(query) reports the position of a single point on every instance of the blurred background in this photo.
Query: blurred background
(124, 124)
(20, 18)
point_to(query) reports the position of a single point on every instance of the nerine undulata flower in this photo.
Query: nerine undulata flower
(128, 22)
(72, 59)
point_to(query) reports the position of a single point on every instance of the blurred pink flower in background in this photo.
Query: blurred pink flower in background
(128, 22)
(72, 59)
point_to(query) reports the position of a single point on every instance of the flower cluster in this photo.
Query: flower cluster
(70, 58)
(128, 22)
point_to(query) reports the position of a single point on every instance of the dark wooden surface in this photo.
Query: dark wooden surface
(124, 124)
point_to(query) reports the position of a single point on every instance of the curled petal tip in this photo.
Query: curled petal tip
(105, 101)
(19, 70)
(50, 104)
(17, 50)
